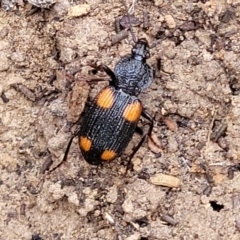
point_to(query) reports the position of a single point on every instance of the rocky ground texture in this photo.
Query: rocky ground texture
(194, 98)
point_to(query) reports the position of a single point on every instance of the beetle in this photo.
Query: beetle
(111, 119)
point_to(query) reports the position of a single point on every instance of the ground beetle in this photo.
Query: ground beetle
(111, 119)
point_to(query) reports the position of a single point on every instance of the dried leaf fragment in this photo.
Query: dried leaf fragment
(25, 90)
(165, 180)
(120, 36)
(79, 10)
(169, 220)
(170, 124)
(77, 100)
(128, 21)
(154, 144)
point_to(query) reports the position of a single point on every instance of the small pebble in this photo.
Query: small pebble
(170, 21)
(79, 10)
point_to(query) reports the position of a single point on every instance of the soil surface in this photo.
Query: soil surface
(46, 56)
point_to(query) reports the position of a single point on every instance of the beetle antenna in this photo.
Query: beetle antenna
(130, 26)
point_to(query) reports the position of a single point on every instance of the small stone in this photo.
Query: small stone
(56, 191)
(8, 162)
(79, 10)
(220, 55)
(168, 67)
(127, 206)
(4, 62)
(170, 21)
(73, 198)
(137, 164)
(97, 213)
(4, 32)
(112, 194)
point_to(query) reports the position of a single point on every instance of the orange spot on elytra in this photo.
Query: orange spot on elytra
(105, 98)
(85, 143)
(133, 111)
(108, 155)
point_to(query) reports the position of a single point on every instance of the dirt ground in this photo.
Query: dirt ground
(194, 98)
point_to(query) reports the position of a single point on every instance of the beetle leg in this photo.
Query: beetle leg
(66, 152)
(111, 74)
(96, 80)
(104, 68)
(139, 130)
(95, 66)
(107, 70)
(150, 119)
(90, 80)
(72, 77)
(148, 133)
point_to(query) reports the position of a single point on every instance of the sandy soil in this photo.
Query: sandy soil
(195, 99)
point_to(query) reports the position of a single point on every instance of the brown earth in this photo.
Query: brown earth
(195, 99)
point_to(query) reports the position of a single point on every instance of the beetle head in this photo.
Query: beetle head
(141, 49)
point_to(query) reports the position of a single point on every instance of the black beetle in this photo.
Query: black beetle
(111, 119)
